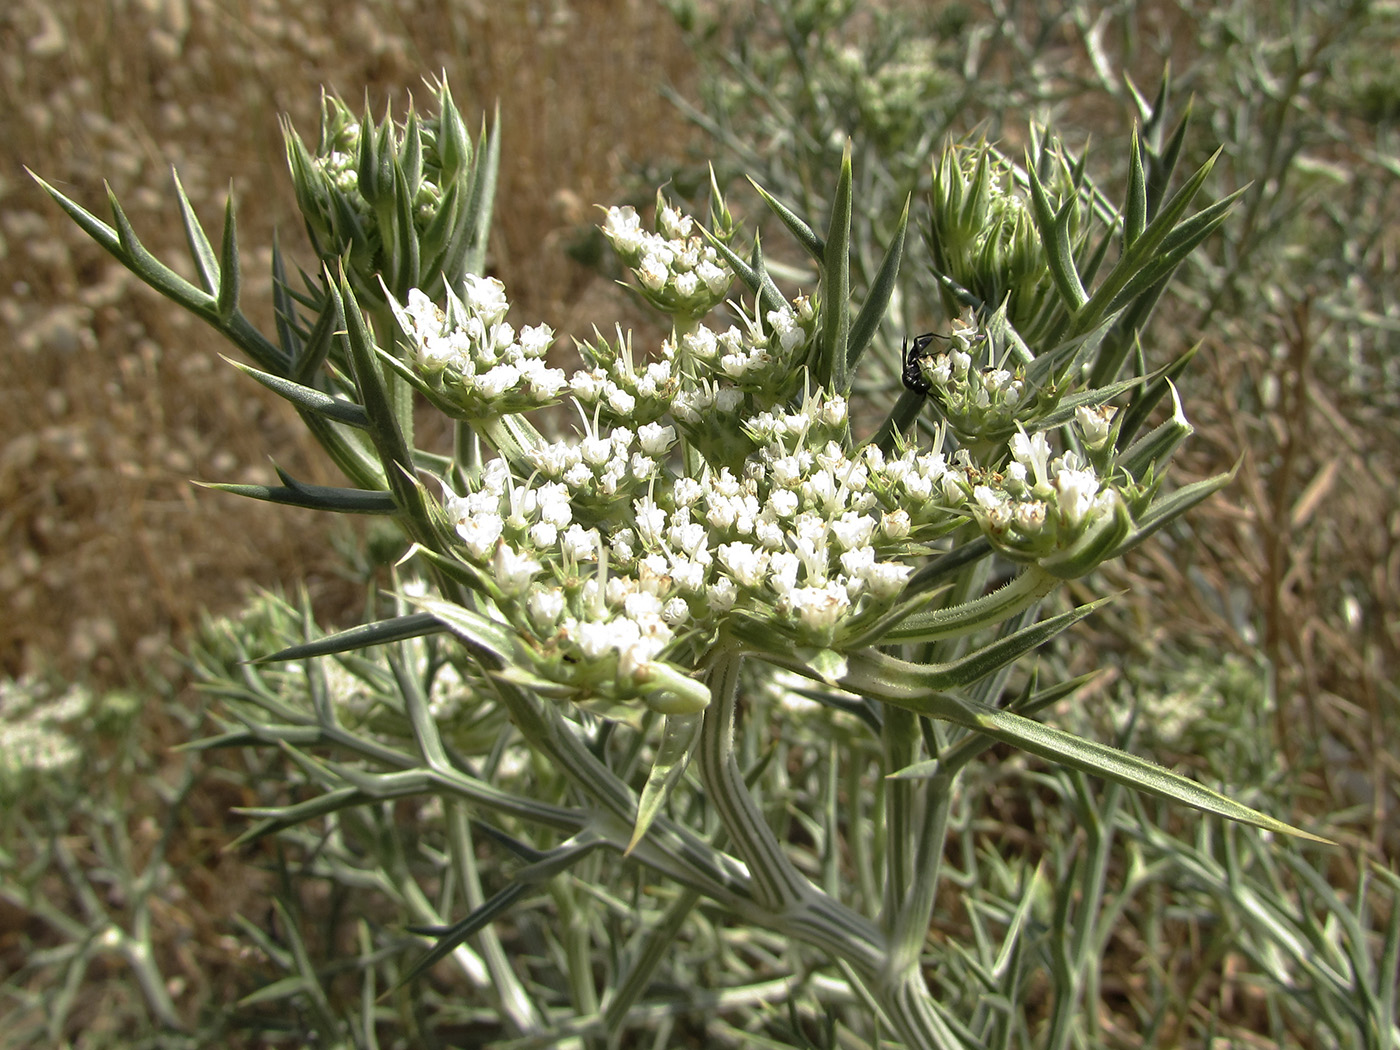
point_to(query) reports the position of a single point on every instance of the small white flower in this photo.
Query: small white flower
(497, 381)
(543, 535)
(642, 466)
(783, 502)
(485, 296)
(624, 228)
(651, 520)
(853, 530)
(622, 544)
(834, 411)
(1077, 489)
(744, 562)
(715, 278)
(480, 533)
(1030, 517)
(587, 386)
(620, 401)
(686, 284)
(1032, 452)
(544, 607)
(653, 273)
(722, 594)
(535, 340)
(886, 579)
(820, 608)
(1095, 423)
(895, 525)
(513, 570)
(987, 497)
(595, 638)
(579, 544)
(655, 439)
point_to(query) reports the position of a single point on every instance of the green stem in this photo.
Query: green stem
(900, 738)
(515, 1002)
(777, 884)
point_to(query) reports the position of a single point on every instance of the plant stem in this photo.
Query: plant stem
(777, 884)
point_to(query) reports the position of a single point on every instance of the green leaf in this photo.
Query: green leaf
(1142, 254)
(472, 627)
(1025, 590)
(378, 402)
(1135, 206)
(877, 300)
(678, 736)
(308, 398)
(1169, 508)
(398, 629)
(559, 859)
(808, 238)
(1054, 234)
(226, 305)
(280, 818)
(829, 368)
(1101, 760)
(201, 251)
(753, 275)
(296, 493)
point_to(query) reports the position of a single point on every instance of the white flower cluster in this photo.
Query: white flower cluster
(976, 401)
(679, 273)
(807, 538)
(706, 380)
(763, 357)
(474, 357)
(617, 388)
(33, 734)
(1039, 505)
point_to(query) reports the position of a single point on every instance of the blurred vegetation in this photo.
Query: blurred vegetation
(1271, 617)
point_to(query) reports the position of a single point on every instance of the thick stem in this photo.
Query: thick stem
(777, 884)
(894, 980)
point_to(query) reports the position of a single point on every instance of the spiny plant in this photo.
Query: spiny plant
(605, 567)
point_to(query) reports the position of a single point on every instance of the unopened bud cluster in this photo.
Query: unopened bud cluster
(983, 234)
(391, 201)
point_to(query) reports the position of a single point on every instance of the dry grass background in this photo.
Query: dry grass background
(111, 400)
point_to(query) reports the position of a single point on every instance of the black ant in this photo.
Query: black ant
(910, 359)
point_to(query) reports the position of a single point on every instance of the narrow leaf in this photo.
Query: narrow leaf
(808, 238)
(1169, 508)
(678, 735)
(398, 629)
(1102, 760)
(829, 369)
(307, 398)
(313, 497)
(1135, 207)
(201, 251)
(1054, 234)
(877, 300)
(226, 305)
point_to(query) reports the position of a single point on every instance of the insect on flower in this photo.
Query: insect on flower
(912, 372)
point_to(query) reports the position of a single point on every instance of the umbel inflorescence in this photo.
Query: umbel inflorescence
(712, 486)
